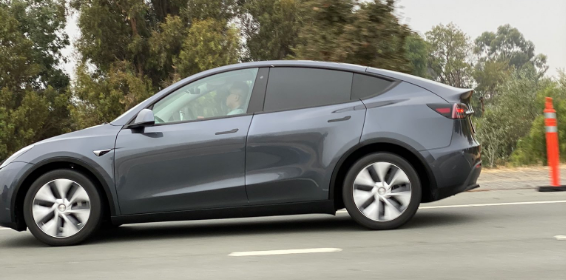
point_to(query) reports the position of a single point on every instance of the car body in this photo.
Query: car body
(305, 124)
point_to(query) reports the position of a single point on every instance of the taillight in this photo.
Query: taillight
(451, 111)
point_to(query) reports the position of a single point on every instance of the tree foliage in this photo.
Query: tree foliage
(129, 49)
(510, 46)
(209, 44)
(510, 115)
(489, 75)
(500, 53)
(450, 54)
(417, 52)
(367, 33)
(531, 149)
(33, 89)
(102, 97)
(270, 28)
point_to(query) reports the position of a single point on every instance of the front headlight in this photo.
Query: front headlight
(16, 155)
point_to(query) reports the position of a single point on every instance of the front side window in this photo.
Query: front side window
(293, 88)
(223, 94)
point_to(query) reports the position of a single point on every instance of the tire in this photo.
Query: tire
(378, 206)
(59, 219)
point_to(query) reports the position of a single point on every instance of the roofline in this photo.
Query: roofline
(125, 118)
(295, 63)
(424, 83)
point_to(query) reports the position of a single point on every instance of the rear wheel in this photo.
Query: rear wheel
(382, 191)
(62, 207)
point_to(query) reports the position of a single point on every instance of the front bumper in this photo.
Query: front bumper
(9, 177)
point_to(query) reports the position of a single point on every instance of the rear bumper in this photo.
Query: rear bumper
(455, 168)
(469, 184)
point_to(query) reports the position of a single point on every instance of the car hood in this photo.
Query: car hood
(89, 132)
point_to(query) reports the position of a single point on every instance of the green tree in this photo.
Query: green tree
(450, 52)
(129, 49)
(33, 90)
(489, 75)
(499, 54)
(417, 52)
(509, 45)
(165, 45)
(531, 149)
(270, 28)
(220, 10)
(510, 115)
(209, 44)
(100, 98)
(343, 31)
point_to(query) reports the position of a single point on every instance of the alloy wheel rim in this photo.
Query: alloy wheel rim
(382, 191)
(61, 208)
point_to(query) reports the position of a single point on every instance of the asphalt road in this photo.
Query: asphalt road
(478, 236)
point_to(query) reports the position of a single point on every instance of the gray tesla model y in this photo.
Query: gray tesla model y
(252, 139)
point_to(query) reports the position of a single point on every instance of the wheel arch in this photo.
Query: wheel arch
(60, 163)
(428, 181)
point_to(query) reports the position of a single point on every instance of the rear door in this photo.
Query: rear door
(308, 122)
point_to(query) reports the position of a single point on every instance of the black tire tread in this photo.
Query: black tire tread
(95, 200)
(347, 190)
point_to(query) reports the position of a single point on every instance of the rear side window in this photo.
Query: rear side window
(294, 88)
(366, 86)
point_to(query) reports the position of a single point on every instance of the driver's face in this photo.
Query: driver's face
(233, 98)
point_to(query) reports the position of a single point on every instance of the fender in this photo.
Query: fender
(85, 163)
(381, 140)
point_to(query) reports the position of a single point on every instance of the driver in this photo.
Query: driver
(236, 98)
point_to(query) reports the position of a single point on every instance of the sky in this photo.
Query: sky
(541, 21)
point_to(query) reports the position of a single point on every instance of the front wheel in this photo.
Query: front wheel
(382, 191)
(62, 207)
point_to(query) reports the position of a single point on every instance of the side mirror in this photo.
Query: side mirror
(145, 118)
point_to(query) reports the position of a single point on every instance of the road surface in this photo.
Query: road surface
(510, 234)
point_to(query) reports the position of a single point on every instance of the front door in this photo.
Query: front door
(194, 156)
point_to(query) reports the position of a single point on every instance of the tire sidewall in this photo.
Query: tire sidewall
(93, 222)
(348, 190)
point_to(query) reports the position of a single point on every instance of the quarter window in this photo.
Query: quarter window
(365, 86)
(294, 88)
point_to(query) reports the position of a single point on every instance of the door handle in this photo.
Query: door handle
(226, 132)
(340, 119)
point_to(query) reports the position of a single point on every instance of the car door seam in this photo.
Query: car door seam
(246, 158)
(364, 123)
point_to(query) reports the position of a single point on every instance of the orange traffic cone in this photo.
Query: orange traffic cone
(552, 149)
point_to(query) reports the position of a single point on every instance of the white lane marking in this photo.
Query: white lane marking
(284, 252)
(494, 204)
(484, 205)
(560, 237)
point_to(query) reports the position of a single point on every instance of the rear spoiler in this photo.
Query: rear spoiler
(466, 95)
(448, 93)
(453, 94)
